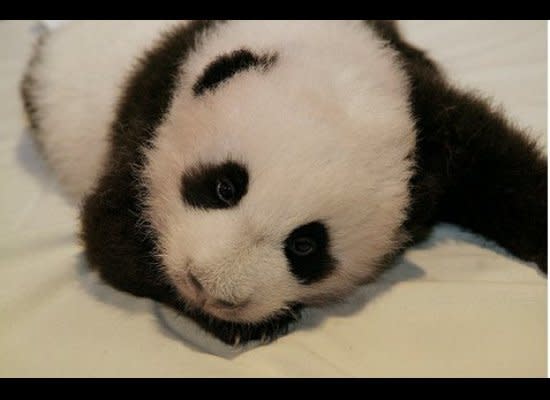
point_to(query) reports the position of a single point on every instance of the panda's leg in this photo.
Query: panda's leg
(475, 168)
(478, 170)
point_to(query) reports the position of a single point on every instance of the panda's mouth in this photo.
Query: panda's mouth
(231, 322)
(237, 333)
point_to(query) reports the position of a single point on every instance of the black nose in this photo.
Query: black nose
(195, 282)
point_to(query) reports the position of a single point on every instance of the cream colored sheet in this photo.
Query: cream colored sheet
(455, 306)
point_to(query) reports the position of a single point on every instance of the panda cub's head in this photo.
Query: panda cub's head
(279, 175)
(255, 168)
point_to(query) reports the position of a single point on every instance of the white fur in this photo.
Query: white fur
(79, 76)
(324, 134)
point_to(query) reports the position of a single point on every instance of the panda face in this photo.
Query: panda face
(280, 174)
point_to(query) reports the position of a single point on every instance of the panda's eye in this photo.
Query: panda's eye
(303, 246)
(215, 186)
(225, 190)
(307, 250)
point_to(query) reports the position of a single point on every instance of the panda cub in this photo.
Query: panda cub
(238, 171)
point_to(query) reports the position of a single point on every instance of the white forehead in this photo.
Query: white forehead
(324, 134)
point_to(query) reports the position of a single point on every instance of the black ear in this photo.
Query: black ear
(475, 168)
(411, 56)
(116, 242)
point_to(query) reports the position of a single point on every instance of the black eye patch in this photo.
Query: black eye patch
(214, 186)
(227, 65)
(307, 249)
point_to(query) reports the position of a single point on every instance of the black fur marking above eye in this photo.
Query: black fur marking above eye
(313, 265)
(227, 65)
(200, 186)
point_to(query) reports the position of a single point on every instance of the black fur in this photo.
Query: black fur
(317, 265)
(29, 85)
(199, 184)
(227, 65)
(111, 215)
(473, 168)
(235, 333)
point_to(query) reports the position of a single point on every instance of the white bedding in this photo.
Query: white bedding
(454, 306)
